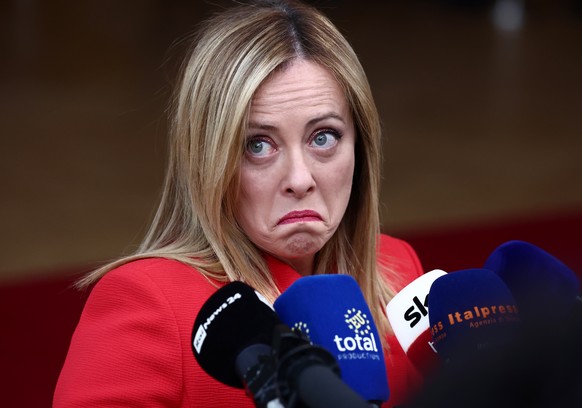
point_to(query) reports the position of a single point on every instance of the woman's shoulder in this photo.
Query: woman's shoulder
(399, 257)
(151, 265)
(158, 269)
(397, 247)
(132, 331)
(166, 277)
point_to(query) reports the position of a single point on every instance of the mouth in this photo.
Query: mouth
(299, 216)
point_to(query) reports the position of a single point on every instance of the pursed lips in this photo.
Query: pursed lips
(299, 216)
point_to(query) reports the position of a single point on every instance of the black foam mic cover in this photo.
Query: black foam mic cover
(235, 318)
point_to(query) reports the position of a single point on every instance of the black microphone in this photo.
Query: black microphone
(239, 340)
(232, 335)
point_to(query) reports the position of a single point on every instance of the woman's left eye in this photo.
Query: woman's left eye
(259, 146)
(325, 139)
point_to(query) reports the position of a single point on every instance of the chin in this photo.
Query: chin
(302, 246)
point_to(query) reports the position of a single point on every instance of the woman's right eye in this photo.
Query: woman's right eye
(259, 147)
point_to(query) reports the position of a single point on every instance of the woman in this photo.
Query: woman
(273, 174)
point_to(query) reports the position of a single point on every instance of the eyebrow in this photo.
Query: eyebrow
(311, 122)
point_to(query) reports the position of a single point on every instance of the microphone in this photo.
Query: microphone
(548, 295)
(470, 312)
(332, 312)
(239, 340)
(496, 367)
(542, 285)
(408, 316)
(233, 334)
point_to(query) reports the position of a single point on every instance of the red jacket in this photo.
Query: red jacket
(132, 344)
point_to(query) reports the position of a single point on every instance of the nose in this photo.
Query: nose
(298, 180)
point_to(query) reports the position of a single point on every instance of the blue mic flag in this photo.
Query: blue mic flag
(332, 312)
(470, 311)
(542, 285)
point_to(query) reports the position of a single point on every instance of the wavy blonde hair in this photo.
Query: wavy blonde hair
(234, 52)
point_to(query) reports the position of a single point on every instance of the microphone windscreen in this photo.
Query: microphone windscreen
(233, 318)
(408, 316)
(542, 285)
(332, 312)
(471, 311)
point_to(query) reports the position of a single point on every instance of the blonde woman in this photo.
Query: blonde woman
(273, 174)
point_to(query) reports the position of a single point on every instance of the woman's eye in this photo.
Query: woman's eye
(259, 147)
(325, 139)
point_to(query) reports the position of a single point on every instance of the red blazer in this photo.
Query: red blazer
(132, 344)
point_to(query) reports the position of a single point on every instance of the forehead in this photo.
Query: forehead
(299, 84)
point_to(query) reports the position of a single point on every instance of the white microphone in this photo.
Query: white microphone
(408, 315)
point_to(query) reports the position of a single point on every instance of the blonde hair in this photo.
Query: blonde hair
(235, 52)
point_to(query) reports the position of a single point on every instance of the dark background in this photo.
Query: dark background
(481, 103)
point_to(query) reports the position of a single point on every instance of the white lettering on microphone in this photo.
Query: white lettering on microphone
(431, 344)
(229, 301)
(356, 343)
(201, 332)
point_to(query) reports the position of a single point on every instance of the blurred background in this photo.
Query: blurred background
(481, 103)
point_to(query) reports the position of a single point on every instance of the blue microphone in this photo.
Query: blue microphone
(471, 311)
(332, 312)
(494, 352)
(542, 285)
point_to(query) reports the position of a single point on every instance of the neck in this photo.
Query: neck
(303, 267)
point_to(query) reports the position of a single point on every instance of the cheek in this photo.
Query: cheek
(253, 197)
(340, 177)
(340, 189)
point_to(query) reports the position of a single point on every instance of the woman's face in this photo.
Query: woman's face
(296, 174)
